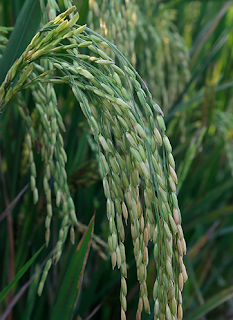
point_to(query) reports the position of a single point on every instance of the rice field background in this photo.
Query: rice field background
(182, 50)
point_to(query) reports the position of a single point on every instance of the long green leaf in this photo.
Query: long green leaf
(204, 36)
(31, 298)
(218, 44)
(190, 155)
(212, 303)
(84, 12)
(72, 282)
(19, 275)
(25, 28)
(194, 281)
(198, 97)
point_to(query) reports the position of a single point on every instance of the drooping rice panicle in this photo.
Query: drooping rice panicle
(134, 154)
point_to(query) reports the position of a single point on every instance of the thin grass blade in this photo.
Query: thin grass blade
(19, 275)
(212, 303)
(25, 28)
(204, 36)
(72, 282)
(84, 12)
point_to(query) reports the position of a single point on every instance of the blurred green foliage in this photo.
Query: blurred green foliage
(199, 119)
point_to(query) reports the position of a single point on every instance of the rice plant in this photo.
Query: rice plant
(134, 153)
(81, 129)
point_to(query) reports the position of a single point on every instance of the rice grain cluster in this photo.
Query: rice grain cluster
(135, 155)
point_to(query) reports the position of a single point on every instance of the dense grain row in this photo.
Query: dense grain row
(135, 155)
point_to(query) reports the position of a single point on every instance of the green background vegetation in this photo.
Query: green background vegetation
(189, 71)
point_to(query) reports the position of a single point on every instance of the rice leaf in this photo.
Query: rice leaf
(212, 303)
(72, 282)
(84, 12)
(190, 155)
(25, 28)
(19, 275)
(207, 32)
(198, 97)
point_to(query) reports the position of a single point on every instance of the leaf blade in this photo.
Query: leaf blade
(212, 303)
(72, 282)
(25, 28)
(5, 291)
